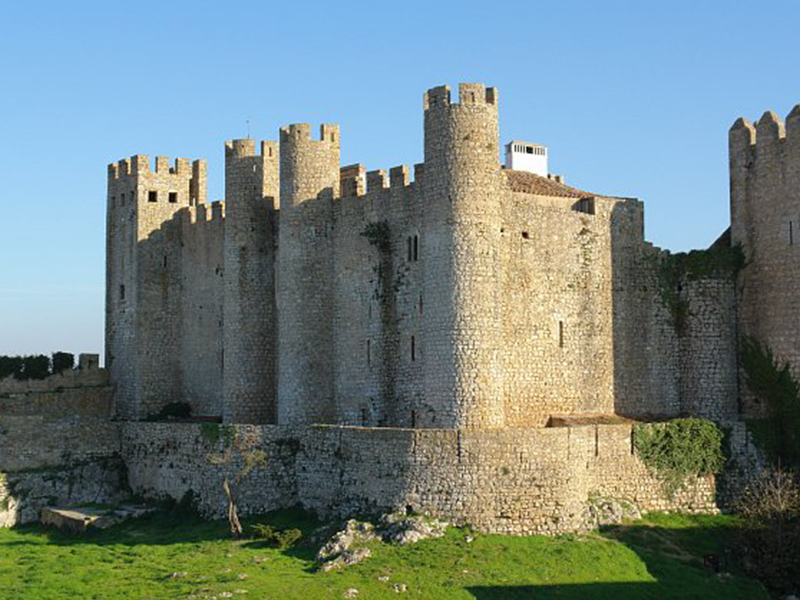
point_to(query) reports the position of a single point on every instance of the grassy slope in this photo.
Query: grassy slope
(659, 558)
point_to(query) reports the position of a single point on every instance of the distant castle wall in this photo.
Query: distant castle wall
(57, 444)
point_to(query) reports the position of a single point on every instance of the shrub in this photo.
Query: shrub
(679, 449)
(770, 508)
(35, 367)
(63, 361)
(281, 539)
(173, 410)
(10, 365)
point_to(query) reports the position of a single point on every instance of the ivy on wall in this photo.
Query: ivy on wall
(679, 449)
(673, 269)
(772, 383)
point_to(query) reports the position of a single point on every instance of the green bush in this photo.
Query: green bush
(772, 383)
(282, 539)
(678, 449)
(10, 365)
(63, 361)
(35, 367)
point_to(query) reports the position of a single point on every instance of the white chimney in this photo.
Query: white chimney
(524, 156)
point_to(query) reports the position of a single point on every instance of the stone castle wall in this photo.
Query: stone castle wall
(765, 220)
(57, 444)
(517, 481)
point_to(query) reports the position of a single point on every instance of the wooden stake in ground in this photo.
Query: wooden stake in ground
(233, 515)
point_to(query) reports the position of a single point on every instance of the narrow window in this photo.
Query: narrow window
(369, 352)
(152, 196)
(791, 233)
(416, 248)
(413, 419)
(173, 197)
(413, 348)
(113, 201)
(122, 292)
(561, 334)
(165, 261)
(122, 199)
(364, 418)
(409, 248)
(420, 304)
(525, 235)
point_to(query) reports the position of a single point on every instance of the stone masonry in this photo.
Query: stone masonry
(466, 340)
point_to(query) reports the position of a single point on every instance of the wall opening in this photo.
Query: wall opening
(122, 199)
(525, 235)
(369, 352)
(165, 261)
(416, 248)
(152, 196)
(122, 292)
(173, 197)
(561, 334)
(420, 304)
(413, 348)
(791, 233)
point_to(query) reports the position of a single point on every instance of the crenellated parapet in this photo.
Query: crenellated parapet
(309, 168)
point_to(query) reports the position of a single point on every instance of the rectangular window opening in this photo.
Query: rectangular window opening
(122, 292)
(152, 196)
(173, 197)
(416, 248)
(409, 249)
(561, 334)
(369, 352)
(525, 235)
(791, 233)
(413, 348)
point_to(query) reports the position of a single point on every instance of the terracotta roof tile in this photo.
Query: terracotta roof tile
(530, 183)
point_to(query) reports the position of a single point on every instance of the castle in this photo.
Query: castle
(473, 297)
(465, 344)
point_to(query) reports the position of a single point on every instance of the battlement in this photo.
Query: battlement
(140, 164)
(247, 147)
(328, 133)
(469, 94)
(768, 130)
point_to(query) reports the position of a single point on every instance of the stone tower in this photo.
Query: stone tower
(765, 220)
(250, 357)
(463, 377)
(141, 315)
(309, 181)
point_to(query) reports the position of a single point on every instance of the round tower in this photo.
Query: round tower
(309, 180)
(251, 193)
(463, 320)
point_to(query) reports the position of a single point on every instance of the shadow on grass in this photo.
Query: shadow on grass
(686, 563)
(164, 528)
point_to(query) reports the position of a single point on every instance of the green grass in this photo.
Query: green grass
(660, 557)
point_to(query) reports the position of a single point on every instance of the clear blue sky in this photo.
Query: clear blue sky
(632, 98)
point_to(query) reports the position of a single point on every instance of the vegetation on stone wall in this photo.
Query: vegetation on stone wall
(778, 434)
(379, 235)
(37, 366)
(674, 269)
(173, 411)
(679, 449)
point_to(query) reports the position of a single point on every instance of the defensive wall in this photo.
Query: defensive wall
(516, 481)
(57, 443)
